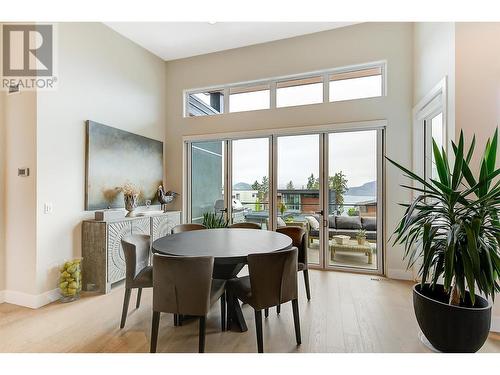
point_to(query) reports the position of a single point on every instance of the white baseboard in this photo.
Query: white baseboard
(33, 301)
(495, 324)
(399, 274)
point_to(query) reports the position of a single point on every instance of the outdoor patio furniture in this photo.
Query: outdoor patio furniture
(354, 247)
(348, 226)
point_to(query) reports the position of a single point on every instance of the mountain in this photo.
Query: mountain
(242, 186)
(367, 189)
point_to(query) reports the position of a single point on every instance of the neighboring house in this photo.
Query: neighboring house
(367, 208)
(246, 197)
(299, 200)
(307, 201)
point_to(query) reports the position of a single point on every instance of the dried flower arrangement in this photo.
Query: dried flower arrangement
(130, 189)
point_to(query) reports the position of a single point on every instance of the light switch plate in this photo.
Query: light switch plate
(47, 208)
(23, 172)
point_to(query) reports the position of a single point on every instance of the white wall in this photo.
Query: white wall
(478, 91)
(102, 77)
(478, 81)
(20, 197)
(2, 192)
(434, 59)
(351, 45)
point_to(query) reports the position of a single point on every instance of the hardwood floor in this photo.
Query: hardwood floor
(347, 313)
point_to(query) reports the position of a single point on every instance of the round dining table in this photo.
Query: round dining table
(229, 247)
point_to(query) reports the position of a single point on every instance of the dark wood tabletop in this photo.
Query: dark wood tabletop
(227, 245)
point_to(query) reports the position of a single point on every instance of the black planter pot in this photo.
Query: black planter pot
(451, 329)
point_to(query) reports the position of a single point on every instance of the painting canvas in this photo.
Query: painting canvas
(116, 157)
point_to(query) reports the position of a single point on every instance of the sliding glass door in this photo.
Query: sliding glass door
(353, 170)
(250, 181)
(298, 188)
(327, 182)
(207, 179)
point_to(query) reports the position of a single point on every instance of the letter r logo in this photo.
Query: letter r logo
(27, 50)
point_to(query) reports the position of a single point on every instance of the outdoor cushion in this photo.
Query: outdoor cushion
(313, 223)
(369, 223)
(331, 222)
(281, 222)
(317, 217)
(348, 222)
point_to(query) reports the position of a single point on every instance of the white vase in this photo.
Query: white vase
(130, 204)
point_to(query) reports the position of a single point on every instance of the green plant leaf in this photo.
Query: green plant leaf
(440, 165)
(471, 149)
(453, 223)
(491, 155)
(459, 158)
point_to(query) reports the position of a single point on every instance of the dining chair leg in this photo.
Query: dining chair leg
(126, 300)
(258, 330)
(296, 320)
(278, 309)
(201, 345)
(155, 325)
(266, 313)
(223, 311)
(306, 281)
(139, 294)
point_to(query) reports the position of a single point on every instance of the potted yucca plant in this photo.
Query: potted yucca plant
(452, 226)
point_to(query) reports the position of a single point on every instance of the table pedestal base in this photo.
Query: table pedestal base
(235, 319)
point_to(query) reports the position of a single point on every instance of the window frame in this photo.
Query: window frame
(272, 83)
(346, 78)
(245, 89)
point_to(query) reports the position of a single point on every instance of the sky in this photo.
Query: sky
(353, 153)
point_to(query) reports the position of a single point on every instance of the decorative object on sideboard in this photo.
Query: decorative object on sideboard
(130, 196)
(165, 197)
(70, 280)
(109, 214)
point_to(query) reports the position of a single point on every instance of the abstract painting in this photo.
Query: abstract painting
(115, 157)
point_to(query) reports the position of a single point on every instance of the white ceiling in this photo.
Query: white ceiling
(175, 40)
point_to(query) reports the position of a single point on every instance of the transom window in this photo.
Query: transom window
(333, 85)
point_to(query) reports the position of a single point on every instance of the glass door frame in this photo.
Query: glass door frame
(380, 155)
(323, 132)
(274, 184)
(228, 168)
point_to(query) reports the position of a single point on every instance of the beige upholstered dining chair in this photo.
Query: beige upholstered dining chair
(184, 286)
(138, 272)
(187, 227)
(246, 225)
(272, 281)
